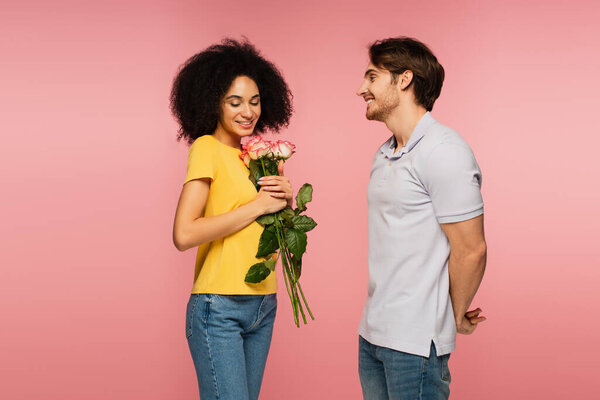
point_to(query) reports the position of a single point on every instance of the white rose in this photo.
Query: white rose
(257, 148)
(283, 149)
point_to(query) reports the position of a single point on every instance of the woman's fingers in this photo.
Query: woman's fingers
(276, 190)
(274, 183)
(277, 186)
(273, 188)
(279, 195)
(272, 179)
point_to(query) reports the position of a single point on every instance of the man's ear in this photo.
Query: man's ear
(405, 79)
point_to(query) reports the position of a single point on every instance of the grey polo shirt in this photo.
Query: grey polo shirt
(434, 179)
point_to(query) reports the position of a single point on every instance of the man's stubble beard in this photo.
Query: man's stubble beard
(383, 111)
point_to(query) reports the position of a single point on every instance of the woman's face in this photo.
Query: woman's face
(240, 108)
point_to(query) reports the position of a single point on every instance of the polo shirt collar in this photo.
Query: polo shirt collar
(422, 126)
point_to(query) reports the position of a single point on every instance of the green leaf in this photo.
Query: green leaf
(271, 264)
(257, 273)
(304, 223)
(287, 214)
(266, 219)
(297, 267)
(304, 196)
(268, 242)
(255, 173)
(296, 242)
(271, 166)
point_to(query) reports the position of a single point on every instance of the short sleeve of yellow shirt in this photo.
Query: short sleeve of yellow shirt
(221, 265)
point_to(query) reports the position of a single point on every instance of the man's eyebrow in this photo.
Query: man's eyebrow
(369, 71)
(235, 96)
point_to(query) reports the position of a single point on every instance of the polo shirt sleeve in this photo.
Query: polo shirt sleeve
(452, 178)
(201, 161)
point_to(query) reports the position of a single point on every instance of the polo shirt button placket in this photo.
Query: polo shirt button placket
(386, 171)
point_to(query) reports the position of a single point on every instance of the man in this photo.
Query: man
(427, 250)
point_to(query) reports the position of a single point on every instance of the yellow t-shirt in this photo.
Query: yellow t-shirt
(221, 265)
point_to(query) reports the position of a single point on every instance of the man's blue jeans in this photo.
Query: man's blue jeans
(387, 374)
(229, 338)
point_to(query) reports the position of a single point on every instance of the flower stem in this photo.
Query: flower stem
(294, 296)
(263, 167)
(296, 300)
(305, 303)
(292, 284)
(297, 280)
(294, 281)
(296, 285)
(287, 287)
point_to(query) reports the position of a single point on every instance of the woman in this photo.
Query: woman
(221, 95)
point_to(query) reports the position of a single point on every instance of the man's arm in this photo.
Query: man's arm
(466, 266)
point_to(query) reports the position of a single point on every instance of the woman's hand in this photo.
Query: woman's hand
(269, 203)
(278, 186)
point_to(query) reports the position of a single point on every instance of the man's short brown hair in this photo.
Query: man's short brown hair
(403, 53)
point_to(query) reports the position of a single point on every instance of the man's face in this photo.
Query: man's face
(379, 92)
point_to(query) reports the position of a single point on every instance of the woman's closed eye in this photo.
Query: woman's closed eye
(239, 104)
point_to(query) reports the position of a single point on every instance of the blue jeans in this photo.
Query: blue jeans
(394, 375)
(229, 338)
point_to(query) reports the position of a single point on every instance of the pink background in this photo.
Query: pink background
(92, 290)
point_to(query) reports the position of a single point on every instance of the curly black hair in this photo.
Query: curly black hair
(204, 79)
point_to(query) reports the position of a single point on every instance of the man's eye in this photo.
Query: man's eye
(372, 78)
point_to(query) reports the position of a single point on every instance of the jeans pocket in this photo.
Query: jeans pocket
(266, 309)
(445, 370)
(189, 314)
(269, 304)
(208, 299)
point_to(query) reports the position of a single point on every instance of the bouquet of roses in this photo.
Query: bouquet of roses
(284, 230)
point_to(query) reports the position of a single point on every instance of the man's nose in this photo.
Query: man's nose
(362, 90)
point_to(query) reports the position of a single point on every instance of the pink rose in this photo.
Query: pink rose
(283, 149)
(245, 158)
(251, 142)
(257, 148)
